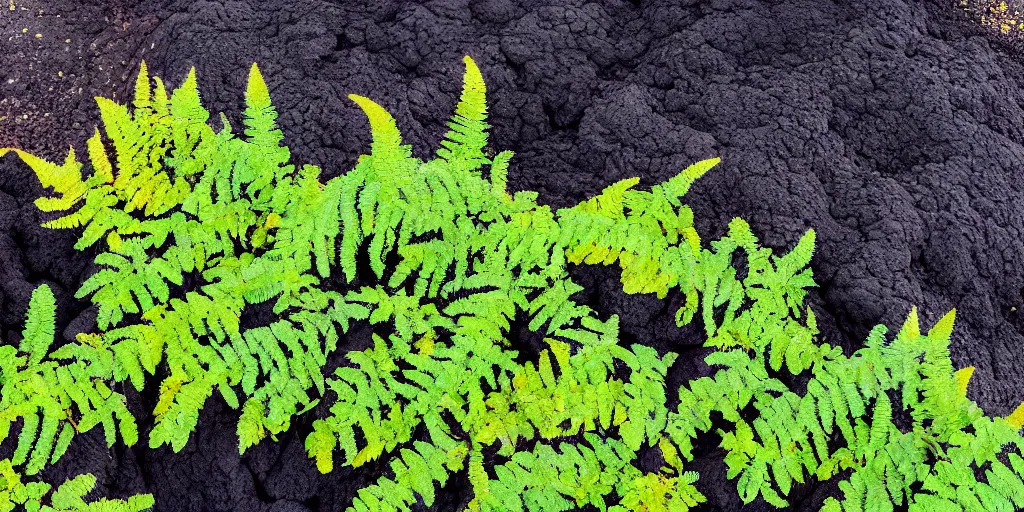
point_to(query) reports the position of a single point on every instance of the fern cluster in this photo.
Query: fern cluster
(69, 497)
(54, 402)
(56, 399)
(440, 260)
(191, 203)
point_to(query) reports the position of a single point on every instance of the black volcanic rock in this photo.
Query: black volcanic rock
(891, 127)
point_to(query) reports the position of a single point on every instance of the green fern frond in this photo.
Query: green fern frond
(38, 333)
(65, 179)
(463, 145)
(387, 141)
(265, 158)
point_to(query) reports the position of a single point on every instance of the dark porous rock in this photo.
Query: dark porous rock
(893, 128)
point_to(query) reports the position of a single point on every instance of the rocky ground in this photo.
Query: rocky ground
(891, 127)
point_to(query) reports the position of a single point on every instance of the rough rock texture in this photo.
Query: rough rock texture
(892, 127)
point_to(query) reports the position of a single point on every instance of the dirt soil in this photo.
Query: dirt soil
(891, 127)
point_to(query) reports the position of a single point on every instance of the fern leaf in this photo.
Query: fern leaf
(38, 333)
(463, 145)
(65, 179)
(1016, 418)
(963, 377)
(679, 185)
(387, 141)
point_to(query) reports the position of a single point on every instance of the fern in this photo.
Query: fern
(69, 497)
(455, 261)
(415, 472)
(221, 193)
(463, 145)
(790, 434)
(520, 250)
(575, 475)
(57, 400)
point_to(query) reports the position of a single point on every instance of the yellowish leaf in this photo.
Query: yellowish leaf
(1016, 418)
(963, 376)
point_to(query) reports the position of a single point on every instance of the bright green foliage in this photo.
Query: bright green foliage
(790, 437)
(937, 452)
(69, 497)
(999, 16)
(517, 251)
(57, 400)
(181, 201)
(415, 471)
(655, 245)
(574, 475)
(463, 145)
(454, 261)
(482, 258)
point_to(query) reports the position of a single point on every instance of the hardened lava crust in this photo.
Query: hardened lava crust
(891, 127)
